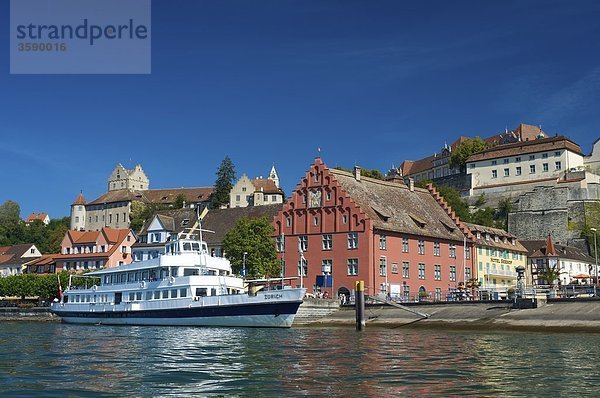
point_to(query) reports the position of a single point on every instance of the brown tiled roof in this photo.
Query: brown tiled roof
(119, 195)
(265, 185)
(393, 207)
(410, 167)
(112, 235)
(537, 249)
(218, 220)
(44, 260)
(80, 200)
(36, 216)
(500, 233)
(223, 220)
(525, 147)
(13, 254)
(168, 196)
(172, 220)
(160, 196)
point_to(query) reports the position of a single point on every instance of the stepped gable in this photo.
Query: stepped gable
(448, 209)
(395, 207)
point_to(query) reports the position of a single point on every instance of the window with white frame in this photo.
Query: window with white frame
(382, 242)
(352, 240)
(280, 243)
(352, 266)
(382, 266)
(303, 242)
(436, 249)
(405, 269)
(404, 245)
(327, 241)
(421, 271)
(302, 267)
(452, 247)
(453, 273)
(437, 272)
(421, 246)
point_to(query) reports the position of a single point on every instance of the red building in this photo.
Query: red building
(400, 240)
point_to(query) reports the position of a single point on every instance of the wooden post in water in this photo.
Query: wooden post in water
(359, 302)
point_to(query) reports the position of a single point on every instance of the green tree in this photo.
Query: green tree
(223, 184)
(255, 237)
(458, 204)
(484, 217)
(10, 213)
(461, 153)
(373, 173)
(179, 201)
(505, 206)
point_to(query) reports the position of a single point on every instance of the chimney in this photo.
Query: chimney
(357, 173)
(411, 184)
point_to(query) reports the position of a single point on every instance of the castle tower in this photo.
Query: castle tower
(78, 213)
(134, 179)
(273, 176)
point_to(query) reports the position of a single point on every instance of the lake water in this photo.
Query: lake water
(51, 359)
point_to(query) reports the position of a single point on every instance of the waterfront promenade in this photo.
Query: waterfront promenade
(556, 315)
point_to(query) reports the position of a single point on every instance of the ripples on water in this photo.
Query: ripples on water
(71, 360)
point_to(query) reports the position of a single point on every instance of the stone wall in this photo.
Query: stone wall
(560, 211)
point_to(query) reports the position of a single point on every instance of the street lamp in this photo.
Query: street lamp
(595, 252)
(244, 265)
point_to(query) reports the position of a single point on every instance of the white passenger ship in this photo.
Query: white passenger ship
(183, 286)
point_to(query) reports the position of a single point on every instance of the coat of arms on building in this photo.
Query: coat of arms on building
(315, 198)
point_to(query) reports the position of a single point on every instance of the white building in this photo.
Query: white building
(523, 165)
(256, 192)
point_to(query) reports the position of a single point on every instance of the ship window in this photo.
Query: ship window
(183, 292)
(174, 293)
(77, 298)
(118, 298)
(190, 271)
(131, 296)
(187, 246)
(145, 275)
(195, 246)
(106, 279)
(87, 298)
(165, 294)
(130, 277)
(174, 272)
(201, 291)
(156, 294)
(66, 298)
(213, 292)
(148, 295)
(137, 276)
(138, 296)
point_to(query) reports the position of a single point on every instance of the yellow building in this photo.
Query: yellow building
(497, 254)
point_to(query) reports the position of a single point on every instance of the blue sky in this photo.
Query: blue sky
(370, 82)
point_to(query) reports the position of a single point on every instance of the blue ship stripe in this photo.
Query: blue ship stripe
(276, 308)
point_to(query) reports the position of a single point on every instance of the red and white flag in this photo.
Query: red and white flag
(59, 287)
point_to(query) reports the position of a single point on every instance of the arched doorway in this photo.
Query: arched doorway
(344, 294)
(423, 296)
